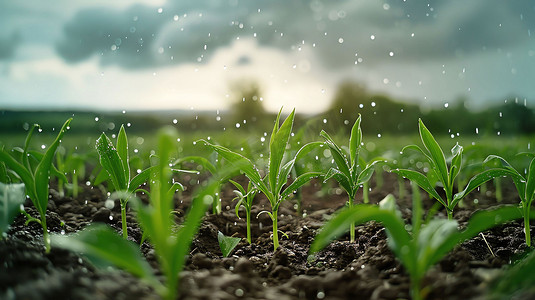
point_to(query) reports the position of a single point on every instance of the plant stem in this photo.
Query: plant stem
(527, 232)
(123, 219)
(401, 185)
(46, 235)
(248, 219)
(352, 226)
(450, 214)
(415, 289)
(275, 230)
(498, 185)
(365, 192)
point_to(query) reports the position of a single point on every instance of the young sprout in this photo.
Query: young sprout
(114, 160)
(227, 243)
(420, 247)
(245, 199)
(277, 174)
(350, 173)
(37, 181)
(171, 243)
(440, 171)
(525, 185)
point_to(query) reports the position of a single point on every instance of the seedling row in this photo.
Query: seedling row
(150, 189)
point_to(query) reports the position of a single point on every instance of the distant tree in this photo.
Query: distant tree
(247, 104)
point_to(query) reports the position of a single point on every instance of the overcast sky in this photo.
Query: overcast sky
(187, 54)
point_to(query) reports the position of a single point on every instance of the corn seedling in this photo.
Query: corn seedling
(12, 197)
(171, 244)
(245, 199)
(353, 173)
(525, 185)
(227, 243)
(423, 245)
(440, 171)
(277, 174)
(37, 181)
(114, 160)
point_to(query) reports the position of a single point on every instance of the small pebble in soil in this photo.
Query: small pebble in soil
(238, 292)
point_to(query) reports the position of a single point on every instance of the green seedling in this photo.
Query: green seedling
(114, 159)
(525, 186)
(245, 199)
(12, 197)
(420, 247)
(350, 173)
(37, 181)
(277, 174)
(440, 171)
(171, 243)
(227, 243)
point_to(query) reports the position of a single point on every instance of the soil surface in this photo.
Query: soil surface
(365, 269)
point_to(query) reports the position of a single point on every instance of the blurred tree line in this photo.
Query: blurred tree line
(380, 115)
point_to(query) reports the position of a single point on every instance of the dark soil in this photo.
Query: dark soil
(366, 269)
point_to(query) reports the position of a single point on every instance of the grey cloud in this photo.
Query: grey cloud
(8, 45)
(140, 36)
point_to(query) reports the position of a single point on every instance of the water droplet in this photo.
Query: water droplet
(175, 121)
(372, 37)
(341, 40)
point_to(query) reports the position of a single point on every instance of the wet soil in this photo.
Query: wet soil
(365, 269)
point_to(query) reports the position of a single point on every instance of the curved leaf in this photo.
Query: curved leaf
(421, 181)
(140, 179)
(481, 178)
(111, 162)
(101, 244)
(436, 154)
(354, 141)
(122, 150)
(21, 171)
(42, 172)
(277, 147)
(201, 161)
(299, 182)
(243, 164)
(338, 154)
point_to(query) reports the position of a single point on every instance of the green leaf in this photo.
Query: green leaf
(122, 150)
(367, 173)
(338, 154)
(530, 183)
(227, 243)
(42, 172)
(243, 164)
(421, 181)
(12, 196)
(101, 243)
(140, 179)
(299, 182)
(457, 152)
(341, 178)
(431, 238)
(21, 171)
(111, 162)
(481, 178)
(436, 154)
(277, 147)
(287, 168)
(355, 140)
(201, 161)
(25, 161)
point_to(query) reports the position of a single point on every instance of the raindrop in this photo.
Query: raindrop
(341, 40)
(446, 105)
(391, 53)
(96, 119)
(477, 130)
(238, 125)
(175, 121)
(372, 37)
(43, 146)
(324, 121)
